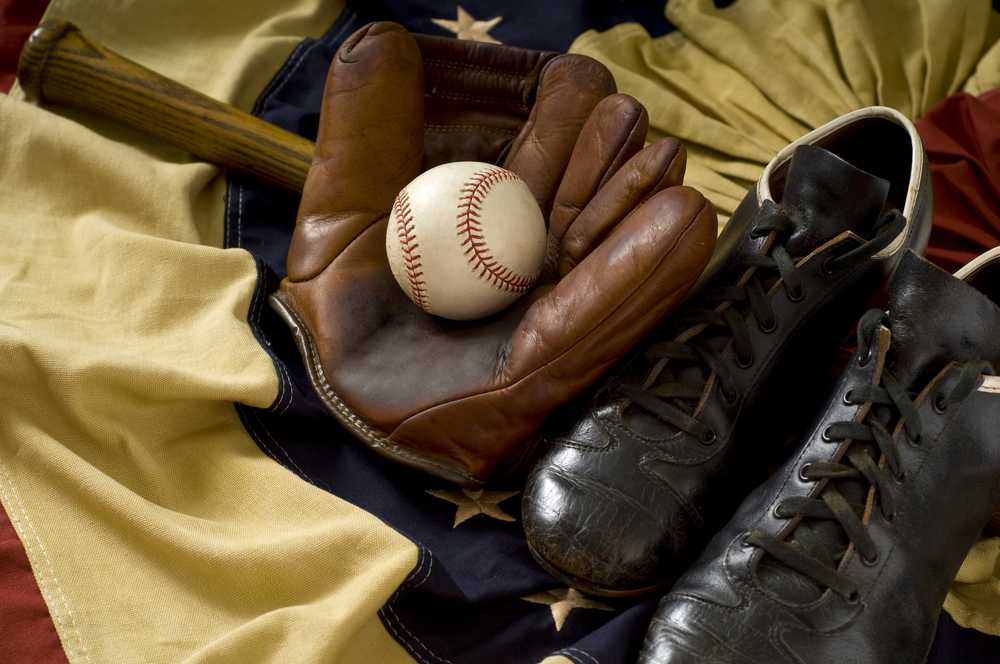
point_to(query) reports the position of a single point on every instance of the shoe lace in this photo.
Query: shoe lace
(806, 551)
(674, 400)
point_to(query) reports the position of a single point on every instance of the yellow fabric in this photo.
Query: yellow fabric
(738, 84)
(974, 600)
(157, 529)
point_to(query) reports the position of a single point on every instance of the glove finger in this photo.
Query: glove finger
(370, 144)
(569, 88)
(613, 134)
(575, 332)
(478, 97)
(655, 168)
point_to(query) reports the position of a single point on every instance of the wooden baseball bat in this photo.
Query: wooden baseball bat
(59, 65)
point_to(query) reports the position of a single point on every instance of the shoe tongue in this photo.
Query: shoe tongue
(936, 318)
(825, 196)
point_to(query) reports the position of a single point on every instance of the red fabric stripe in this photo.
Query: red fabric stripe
(17, 19)
(962, 138)
(28, 634)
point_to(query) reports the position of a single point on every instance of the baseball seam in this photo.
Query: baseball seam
(409, 245)
(470, 232)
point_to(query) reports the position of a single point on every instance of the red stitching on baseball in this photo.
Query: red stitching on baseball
(409, 244)
(470, 229)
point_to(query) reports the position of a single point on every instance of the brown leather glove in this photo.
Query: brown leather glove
(456, 398)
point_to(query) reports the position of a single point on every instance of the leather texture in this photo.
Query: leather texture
(737, 603)
(619, 499)
(625, 242)
(477, 97)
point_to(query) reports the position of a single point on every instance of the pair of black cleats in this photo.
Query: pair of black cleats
(666, 478)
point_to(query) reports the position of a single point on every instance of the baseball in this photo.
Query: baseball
(466, 240)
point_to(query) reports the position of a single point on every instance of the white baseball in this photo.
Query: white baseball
(466, 240)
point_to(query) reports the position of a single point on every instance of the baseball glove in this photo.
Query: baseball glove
(625, 242)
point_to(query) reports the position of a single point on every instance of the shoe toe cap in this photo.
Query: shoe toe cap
(601, 536)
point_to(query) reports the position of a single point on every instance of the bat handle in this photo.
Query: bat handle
(59, 65)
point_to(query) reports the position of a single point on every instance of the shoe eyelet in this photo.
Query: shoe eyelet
(825, 436)
(848, 400)
(708, 438)
(870, 563)
(826, 269)
(729, 397)
(888, 517)
(744, 365)
(940, 405)
(863, 361)
(796, 295)
(915, 440)
(757, 233)
(802, 473)
(899, 478)
(853, 598)
(745, 542)
(768, 329)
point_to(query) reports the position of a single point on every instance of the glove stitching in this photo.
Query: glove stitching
(510, 73)
(479, 99)
(336, 406)
(482, 129)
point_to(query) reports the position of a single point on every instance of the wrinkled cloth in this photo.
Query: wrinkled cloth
(738, 84)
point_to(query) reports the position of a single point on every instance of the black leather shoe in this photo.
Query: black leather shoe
(846, 554)
(623, 494)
